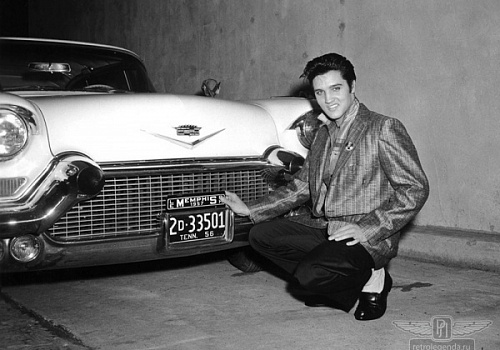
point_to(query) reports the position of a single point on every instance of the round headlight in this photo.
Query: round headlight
(25, 248)
(13, 133)
(306, 127)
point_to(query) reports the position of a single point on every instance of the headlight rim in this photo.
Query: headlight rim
(306, 127)
(8, 112)
(38, 245)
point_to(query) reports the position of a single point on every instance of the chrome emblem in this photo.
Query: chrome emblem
(184, 130)
(188, 130)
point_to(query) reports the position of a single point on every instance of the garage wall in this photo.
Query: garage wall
(431, 63)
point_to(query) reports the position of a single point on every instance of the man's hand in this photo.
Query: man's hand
(349, 231)
(235, 204)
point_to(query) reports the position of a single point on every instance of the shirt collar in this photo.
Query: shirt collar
(349, 115)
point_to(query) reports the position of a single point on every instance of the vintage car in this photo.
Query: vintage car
(97, 168)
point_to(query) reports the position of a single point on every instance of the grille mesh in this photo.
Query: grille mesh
(9, 186)
(130, 205)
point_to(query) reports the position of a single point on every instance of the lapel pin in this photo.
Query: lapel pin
(349, 146)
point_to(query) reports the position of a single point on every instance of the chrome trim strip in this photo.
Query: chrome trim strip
(182, 165)
(100, 241)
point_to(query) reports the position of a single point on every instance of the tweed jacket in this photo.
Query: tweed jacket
(377, 183)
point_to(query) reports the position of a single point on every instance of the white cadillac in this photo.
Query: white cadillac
(96, 168)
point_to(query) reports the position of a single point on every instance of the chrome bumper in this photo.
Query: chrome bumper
(152, 247)
(68, 180)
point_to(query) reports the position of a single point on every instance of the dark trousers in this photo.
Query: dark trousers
(328, 268)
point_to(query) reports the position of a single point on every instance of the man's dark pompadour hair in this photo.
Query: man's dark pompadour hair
(331, 61)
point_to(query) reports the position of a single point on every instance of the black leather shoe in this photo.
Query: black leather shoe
(373, 305)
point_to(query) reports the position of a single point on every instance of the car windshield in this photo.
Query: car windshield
(55, 66)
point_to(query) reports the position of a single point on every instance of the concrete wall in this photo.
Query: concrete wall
(430, 63)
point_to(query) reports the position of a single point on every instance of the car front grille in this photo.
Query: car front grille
(132, 204)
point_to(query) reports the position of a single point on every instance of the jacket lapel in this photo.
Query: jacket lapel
(357, 130)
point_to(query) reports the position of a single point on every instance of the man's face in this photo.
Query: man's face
(333, 95)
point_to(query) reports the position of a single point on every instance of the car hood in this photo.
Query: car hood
(135, 127)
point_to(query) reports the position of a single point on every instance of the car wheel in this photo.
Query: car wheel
(245, 260)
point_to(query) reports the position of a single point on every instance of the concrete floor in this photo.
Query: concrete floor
(212, 305)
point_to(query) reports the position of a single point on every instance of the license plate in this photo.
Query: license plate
(210, 200)
(198, 219)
